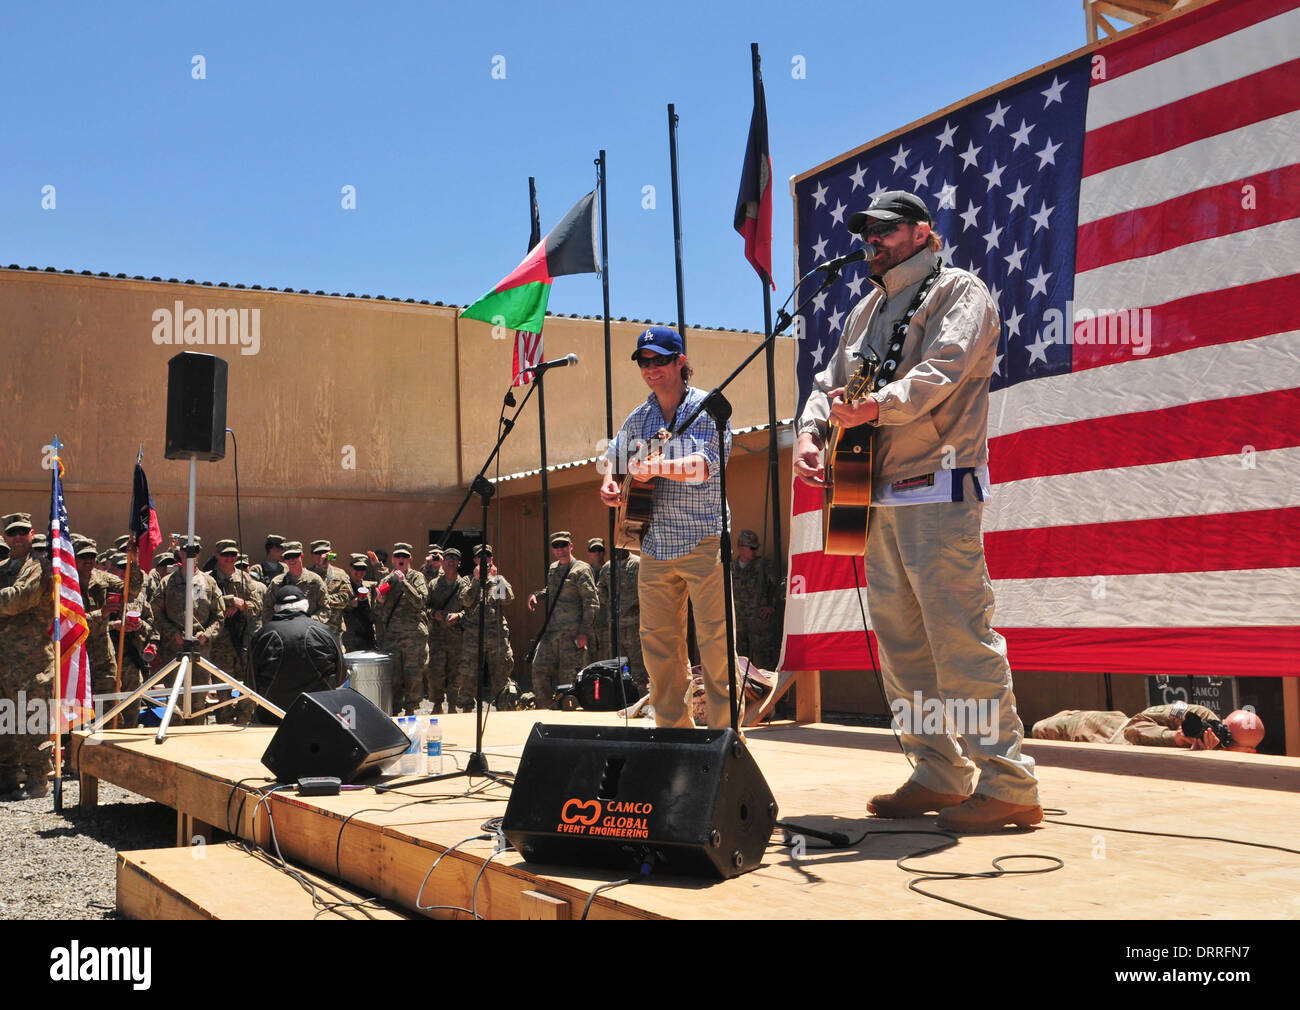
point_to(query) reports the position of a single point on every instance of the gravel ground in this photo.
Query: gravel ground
(64, 866)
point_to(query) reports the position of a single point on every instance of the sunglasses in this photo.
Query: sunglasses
(883, 228)
(560, 545)
(656, 360)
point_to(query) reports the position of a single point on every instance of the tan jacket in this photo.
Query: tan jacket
(935, 415)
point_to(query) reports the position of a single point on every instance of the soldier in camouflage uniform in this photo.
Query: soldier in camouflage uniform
(756, 592)
(447, 669)
(358, 618)
(336, 585)
(26, 658)
(137, 643)
(273, 565)
(628, 566)
(242, 602)
(168, 605)
(163, 563)
(498, 657)
(402, 627)
(96, 589)
(597, 641)
(1157, 726)
(571, 595)
(294, 574)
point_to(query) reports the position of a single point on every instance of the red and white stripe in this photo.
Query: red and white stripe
(528, 354)
(1146, 506)
(72, 630)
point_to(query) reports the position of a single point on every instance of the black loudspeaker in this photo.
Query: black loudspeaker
(339, 733)
(689, 802)
(196, 406)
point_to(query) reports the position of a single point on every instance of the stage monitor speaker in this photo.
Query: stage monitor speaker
(688, 802)
(339, 733)
(196, 406)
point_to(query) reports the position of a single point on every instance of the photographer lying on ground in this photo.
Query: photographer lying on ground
(1176, 725)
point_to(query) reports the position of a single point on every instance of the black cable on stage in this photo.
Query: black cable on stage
(1166, 834)
(457, 908)
(603, 887)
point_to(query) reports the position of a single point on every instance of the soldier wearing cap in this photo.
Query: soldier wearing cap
(41, 546)
(242, 598)
(358, 618)
(138, 642)
(336, 585)
(26, 655)
(96, 588)
(570, 597)
(163, 562)
(935, 329)
(756, 591)
(432, 563)
(600, 627)
(447, 669)
(498, 657)
(402, 627)
(273, 565)
(168, 606)
(294, 574)
(628, 566)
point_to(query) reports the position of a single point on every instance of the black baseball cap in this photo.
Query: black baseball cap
(895, 205)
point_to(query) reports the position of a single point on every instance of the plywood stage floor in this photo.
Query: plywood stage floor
(821, 775)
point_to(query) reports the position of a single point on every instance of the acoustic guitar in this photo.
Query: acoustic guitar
(847, 505)
(636, 503)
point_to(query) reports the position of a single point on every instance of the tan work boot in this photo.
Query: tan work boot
(911, 800)
(983, 814)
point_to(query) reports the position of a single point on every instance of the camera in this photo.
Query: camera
(1194, 728)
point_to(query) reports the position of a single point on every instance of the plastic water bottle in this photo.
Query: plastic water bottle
(413, 761)
(433, 747)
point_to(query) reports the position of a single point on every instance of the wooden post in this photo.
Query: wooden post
(536, 905)
(808, 697)
(1291, 714)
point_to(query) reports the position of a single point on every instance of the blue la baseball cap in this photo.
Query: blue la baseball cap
(661, 340)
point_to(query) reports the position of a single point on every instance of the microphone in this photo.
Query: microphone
(842, 261)
(568, 359)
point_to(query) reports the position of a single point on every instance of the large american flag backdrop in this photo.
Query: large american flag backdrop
(1133, 210)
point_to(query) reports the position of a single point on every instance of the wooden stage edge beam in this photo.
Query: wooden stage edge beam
(822, 775)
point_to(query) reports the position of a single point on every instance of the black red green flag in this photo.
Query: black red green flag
(519, 301)
(754, 203)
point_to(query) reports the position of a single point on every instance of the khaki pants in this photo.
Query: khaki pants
(931, 605)
(663, 588)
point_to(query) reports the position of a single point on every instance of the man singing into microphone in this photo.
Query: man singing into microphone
(680, 555)
(930, 598)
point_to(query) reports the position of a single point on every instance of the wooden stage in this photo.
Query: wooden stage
(821, 775)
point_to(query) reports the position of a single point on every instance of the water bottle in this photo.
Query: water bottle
(433, 747)
(413, 760)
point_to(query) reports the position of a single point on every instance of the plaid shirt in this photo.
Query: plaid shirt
(684, 514)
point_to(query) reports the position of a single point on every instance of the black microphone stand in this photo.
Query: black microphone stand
(720, 410)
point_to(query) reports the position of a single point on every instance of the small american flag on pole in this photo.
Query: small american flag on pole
(1132, 210)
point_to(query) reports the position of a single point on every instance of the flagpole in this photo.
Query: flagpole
(677, 223)
(541, 406)
(58, 650)
(773, 458)
(609, 412)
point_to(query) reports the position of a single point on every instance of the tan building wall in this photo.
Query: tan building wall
(359, 420)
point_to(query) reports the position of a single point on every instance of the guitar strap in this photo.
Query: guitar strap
(899, 335)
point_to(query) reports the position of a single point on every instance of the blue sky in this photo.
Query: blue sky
(238, 177)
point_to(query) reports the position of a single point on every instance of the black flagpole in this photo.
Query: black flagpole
(541, 397)
(677, 223)
(609, 411)
(773, 458)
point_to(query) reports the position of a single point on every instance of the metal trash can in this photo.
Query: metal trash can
(370, 674)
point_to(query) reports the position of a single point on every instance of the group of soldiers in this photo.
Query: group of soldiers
(425, 618)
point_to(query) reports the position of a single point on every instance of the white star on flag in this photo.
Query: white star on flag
(1017, 197)
(998, 116)
(1013, 322)
(837, 215)
(947, 196)
(858, 176)
(1040, 219)
(1053, 94)
(995, 176)
(921, 175)
(991, 238)
(900, 158)
(1013, 260)
(945, 138)
(1021, 136)
(819, 195)
(1038, 285)
(1038, 350)
(1047, 156)
(969, 216)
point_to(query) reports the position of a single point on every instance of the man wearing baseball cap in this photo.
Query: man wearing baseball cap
(680, 553)
(935, 330)
(26, 655)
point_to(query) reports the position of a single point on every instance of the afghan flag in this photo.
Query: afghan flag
(754, 203)
(519, 301)
(143, 523)
(528, 345)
